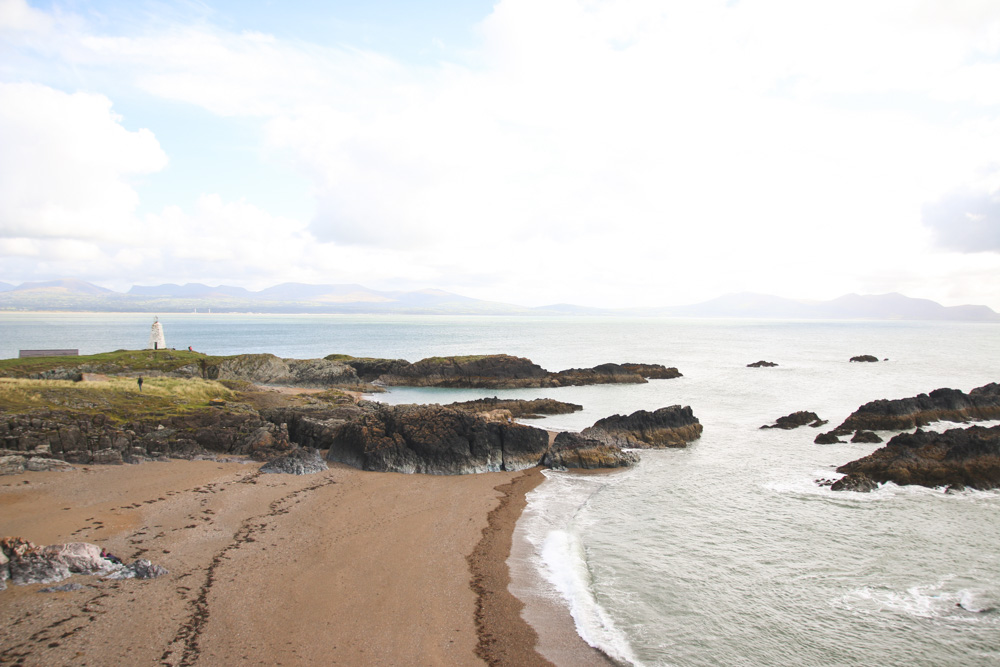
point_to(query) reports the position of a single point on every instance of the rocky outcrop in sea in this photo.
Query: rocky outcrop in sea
(867, 358)
(958, 458)
(762, 364)
(673, 426)
(797, 419)
(518, 408)
(982, 403)
(496, 371)
(574, 450)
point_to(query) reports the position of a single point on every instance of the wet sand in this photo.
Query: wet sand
(341, 567)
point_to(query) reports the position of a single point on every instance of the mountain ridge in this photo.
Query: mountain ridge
(75, 294)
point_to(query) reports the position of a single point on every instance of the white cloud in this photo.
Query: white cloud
(625, 151)
(66, 164)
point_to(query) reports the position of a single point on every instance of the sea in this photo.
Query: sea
(729, 551)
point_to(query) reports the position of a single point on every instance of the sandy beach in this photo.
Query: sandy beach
(340, 567)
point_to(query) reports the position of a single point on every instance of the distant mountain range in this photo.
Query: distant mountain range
(78, 295)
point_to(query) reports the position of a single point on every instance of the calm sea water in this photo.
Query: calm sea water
(724, 553)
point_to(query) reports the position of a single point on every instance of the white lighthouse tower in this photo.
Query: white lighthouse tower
(156, 341)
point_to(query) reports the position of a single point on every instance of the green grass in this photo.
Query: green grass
(119, 361)
(118, 398)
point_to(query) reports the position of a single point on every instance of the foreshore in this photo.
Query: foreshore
(339, 567)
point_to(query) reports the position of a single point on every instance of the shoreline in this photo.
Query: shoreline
(340, 566)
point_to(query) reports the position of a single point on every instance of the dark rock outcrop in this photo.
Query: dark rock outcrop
(827, 439)
(673, 426)
(957, 458)
(762, 364)
(495, 371)
(518, 408)
(573, 450)
(866, 437)
(300, 461)
(982, 403)
(490, 371)
(797, 419)
(50, 439)
(865, 358)
(436, 440)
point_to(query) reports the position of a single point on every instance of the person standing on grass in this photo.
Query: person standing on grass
(140, 383)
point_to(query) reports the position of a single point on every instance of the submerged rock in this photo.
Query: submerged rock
(673, 426)
(865, 358)
(573, 450)
(957, 458)
(300, 461)
(762, 364)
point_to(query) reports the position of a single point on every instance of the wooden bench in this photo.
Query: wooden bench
(49, 353)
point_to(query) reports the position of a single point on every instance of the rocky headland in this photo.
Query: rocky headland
(957, 458)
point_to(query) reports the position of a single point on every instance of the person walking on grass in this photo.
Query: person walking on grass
(140, 384)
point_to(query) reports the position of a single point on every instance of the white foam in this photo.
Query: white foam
(930, 601)
(550, 526)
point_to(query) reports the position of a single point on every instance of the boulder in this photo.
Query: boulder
(827, 439)
(762, 364)
(865, 358)
(968, 457)
(797, 419)
(12, 465)
(300, 461)
(573, 450)
(673, 426)
(436, 440)
(866, 437)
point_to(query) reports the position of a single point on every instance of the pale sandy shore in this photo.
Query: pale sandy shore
(341, 567)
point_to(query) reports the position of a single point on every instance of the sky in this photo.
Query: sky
(596, 152)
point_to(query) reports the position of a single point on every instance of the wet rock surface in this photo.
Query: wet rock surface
(957, 458)
(762, 364)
